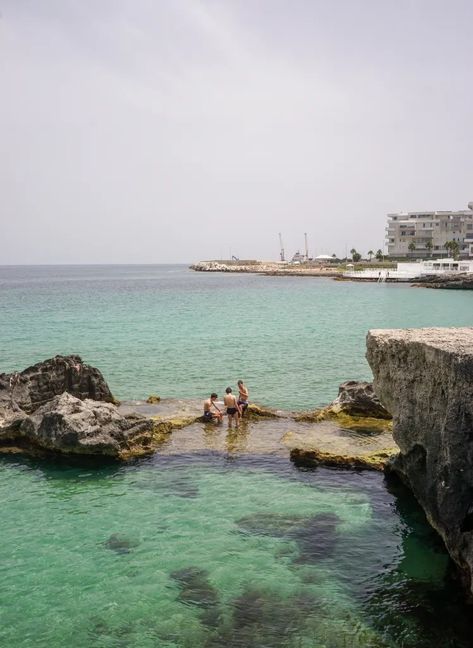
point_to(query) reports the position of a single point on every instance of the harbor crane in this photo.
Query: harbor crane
(281, 254)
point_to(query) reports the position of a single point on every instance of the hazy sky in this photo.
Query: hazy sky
(161, 131)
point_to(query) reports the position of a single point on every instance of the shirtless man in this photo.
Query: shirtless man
(243, 397)
(233, 409)
(211, 412)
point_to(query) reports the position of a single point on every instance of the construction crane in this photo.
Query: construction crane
(281, 254)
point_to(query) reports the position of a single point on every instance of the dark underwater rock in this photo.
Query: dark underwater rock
(315, 536)
(38, 384)
(120, 544)
(179, 485)
(264, 618)
(195, 587)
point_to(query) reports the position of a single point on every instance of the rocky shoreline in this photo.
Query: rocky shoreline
(63, 406)
(460, 281)
(423, 377)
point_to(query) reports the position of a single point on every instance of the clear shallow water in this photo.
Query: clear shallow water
(215, 551)
(174, 332)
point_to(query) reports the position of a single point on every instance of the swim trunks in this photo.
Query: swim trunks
(231, 411)
(208, 416)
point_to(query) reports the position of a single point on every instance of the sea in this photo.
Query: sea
(209, 549)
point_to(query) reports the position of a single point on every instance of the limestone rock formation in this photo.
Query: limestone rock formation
(63, 405)
(356, 399)
(424, 377)
(38, 384)
(69, 425)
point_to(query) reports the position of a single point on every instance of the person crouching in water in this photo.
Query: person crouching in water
(233, 409)
(212, 413)
(243, 397)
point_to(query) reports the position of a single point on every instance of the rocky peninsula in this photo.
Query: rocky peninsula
(424, 377)
(270, 268)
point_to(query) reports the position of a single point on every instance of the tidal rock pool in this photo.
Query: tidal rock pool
(208, 550)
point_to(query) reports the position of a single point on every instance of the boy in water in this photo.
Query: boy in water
(243, 397)
(211, 412)
(233, 409)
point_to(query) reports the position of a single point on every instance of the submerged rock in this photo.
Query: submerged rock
(196, 589)
(265, 618)
(316, 536)
(38, 384)
(425, 378)
(120, 543)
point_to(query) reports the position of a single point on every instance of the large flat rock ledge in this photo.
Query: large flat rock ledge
(424, 377)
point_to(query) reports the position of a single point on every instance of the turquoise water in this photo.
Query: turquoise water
(174, 332)
(207, 551)
(211, 550)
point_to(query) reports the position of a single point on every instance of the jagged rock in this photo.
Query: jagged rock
(460, 281)
(38, 384)
(358, 398)
(69, 425)
(11, 419)
(425, 378)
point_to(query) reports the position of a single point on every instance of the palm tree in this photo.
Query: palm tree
(429, 245)
(370, 254)
(355, 256)
(379, 255)
(411, 247)
(454, 248)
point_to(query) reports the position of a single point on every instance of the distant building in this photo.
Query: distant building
(428, 232)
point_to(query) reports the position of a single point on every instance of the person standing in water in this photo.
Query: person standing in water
(233, 409)
(243, 397)
(211, 412)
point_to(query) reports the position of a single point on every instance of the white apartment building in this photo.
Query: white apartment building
(428, 232)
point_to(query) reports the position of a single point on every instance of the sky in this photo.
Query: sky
(162, 131)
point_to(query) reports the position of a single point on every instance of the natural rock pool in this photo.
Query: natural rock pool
(219, 549)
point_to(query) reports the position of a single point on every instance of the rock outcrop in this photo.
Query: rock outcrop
(65, 406)
(459, 281)
(424, 377)
(68, 425)
(38, 384)
(356, 399)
